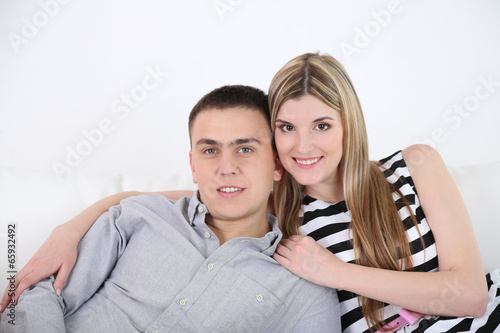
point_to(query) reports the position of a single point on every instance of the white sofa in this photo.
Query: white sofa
(37, 201)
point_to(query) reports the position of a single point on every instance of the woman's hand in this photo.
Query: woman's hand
(304, 257)
(56, 255)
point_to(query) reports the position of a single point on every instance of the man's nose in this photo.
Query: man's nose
(228, 164)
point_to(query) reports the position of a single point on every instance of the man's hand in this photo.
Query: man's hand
(56, 255)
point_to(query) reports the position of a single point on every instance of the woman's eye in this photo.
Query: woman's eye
(322, 127)
(287, 128)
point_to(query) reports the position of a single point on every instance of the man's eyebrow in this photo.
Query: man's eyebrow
(210, 142)
(243, 141)
(240, 141)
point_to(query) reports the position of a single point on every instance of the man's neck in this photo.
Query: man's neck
(226, 230)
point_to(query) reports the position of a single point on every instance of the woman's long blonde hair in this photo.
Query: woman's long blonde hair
(378, 234)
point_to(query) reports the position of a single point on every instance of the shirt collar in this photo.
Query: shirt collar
(267, 244)
(195, 206)
(273, 237)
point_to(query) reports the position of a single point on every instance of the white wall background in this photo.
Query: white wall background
(76, 91)
(66, 66)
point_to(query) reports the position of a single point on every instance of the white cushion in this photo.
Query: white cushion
(37, 201)
(144, 183)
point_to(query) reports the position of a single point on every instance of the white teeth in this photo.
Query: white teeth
(307, 162)
(229, 189)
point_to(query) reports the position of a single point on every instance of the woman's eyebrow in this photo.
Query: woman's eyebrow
(323, 118)
(314, 121)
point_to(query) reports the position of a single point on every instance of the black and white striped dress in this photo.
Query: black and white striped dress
(329, 223)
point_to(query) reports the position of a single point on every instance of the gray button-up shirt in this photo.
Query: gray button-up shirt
(153, 265)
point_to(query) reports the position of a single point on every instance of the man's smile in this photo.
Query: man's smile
(229, 189)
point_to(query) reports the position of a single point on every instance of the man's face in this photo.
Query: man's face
(233, 162)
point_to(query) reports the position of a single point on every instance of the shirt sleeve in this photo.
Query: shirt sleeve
(322, 316)
(41, 310)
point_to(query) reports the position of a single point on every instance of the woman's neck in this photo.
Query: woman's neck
(328, 192)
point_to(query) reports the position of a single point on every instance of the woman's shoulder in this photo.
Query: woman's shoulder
(413, 165)
(399, 168)
(413, 157)
(421, 158)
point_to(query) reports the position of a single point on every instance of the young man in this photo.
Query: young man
(199, 264)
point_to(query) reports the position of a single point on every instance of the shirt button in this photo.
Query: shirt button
(182, 302)
(260, 298)
(210, 266)
(207, 234)
(200, 209)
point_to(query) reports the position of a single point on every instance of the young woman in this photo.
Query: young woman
(395, 257)
(371, 236)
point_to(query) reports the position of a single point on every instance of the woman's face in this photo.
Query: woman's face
(309, 141)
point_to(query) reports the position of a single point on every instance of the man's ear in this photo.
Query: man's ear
(278, 169)
(191, 164)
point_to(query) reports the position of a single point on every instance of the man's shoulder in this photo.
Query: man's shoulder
(146, 199)
(155, 202)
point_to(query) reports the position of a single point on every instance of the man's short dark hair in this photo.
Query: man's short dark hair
(231, 97)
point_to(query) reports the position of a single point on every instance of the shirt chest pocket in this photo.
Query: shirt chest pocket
(246, 307)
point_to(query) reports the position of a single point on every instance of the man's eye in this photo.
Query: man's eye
(322, 127)
(246, 150)
(210, 151)
(287, 128)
